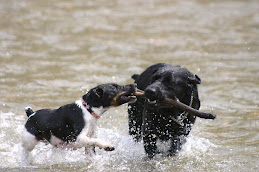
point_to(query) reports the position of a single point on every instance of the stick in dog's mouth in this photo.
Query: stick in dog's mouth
(176, 102)
(139, 92)
(124, 97)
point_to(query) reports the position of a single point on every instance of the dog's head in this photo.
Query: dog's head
(110, 95)
(171, 83)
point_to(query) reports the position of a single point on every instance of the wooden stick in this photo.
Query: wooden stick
(176, 102)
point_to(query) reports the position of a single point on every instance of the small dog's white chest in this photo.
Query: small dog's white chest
(90, 121)
(90, 126)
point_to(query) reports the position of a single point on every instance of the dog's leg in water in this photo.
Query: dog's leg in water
(83, 141)
(176, 145)
(149, 137)
(90, 151)
(135, 120)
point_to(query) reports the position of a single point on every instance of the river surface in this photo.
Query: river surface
(53, 51)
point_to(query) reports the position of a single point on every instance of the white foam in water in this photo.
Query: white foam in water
(127, 156)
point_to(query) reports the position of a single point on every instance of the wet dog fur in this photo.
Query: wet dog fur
(162, 123)
(74, 125)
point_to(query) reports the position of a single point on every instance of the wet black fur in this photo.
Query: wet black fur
(153, 122)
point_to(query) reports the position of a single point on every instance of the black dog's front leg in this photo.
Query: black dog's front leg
(149, 136)
(176, 145)
(135, 111)
(149, 140)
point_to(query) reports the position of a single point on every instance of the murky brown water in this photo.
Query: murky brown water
(53, 51)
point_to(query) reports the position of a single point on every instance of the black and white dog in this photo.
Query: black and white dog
(73, 125)
(163, 123)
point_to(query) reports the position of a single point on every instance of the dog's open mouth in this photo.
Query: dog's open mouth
(150, 101)
(124, 97)
(128, 98)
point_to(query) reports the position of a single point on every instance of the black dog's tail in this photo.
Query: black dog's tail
(29, 111)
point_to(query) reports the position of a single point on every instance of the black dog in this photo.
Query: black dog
(74, 125)
(156, 122)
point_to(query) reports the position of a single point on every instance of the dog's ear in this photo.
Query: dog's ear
(98, 92)
(195, 79)
(135, 76)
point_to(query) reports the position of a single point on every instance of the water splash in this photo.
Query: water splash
(127, 156)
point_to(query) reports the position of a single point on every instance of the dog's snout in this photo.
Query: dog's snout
(130, 88)
(150, 93)
(133, 86)
(154, 93)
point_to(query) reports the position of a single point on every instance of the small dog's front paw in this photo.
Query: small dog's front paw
(109, 148)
